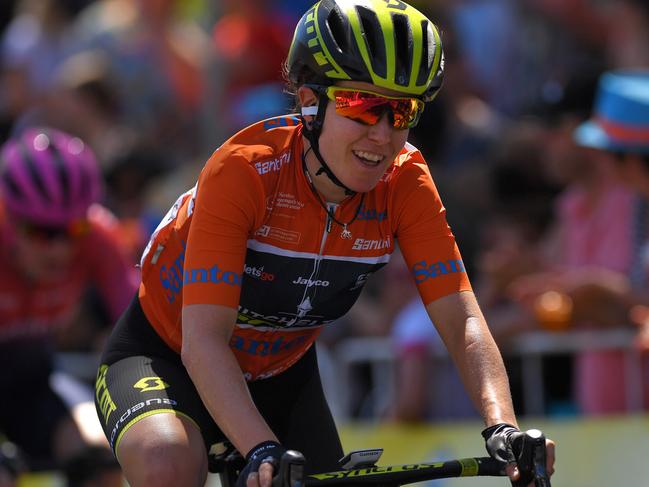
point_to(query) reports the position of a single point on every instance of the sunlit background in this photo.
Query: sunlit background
(155, 86)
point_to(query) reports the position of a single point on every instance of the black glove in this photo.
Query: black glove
(504, 442)
(264, 452)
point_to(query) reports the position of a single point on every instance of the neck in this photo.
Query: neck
(331, 192)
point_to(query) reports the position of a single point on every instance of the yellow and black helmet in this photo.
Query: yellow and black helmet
(384, 42)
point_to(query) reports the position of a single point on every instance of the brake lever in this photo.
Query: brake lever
(539, 457)
(291, 470)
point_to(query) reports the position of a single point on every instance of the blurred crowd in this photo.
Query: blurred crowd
(548, 229)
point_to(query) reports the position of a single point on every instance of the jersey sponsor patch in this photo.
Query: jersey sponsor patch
(371, 214)
(424, 271)
(364, 244)
(285, 121)
(280, 234)
(273, 165)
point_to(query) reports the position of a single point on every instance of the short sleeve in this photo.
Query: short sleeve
(229, 206)
(424, 236)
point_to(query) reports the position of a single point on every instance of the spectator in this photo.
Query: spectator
(251, 39)
(619, 129)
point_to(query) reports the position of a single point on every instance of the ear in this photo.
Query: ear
(307, 96)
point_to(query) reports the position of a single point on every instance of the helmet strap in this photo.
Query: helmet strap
(312, 132)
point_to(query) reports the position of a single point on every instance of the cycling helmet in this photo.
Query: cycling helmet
(48, 177)
(384, 42)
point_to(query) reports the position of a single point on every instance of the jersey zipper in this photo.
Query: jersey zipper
(306, 303)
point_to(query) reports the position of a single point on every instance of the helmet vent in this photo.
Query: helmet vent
(33, 173)
(10, 184)
(403, 49)
(373, 39)
(62, 174)
(335, 22)
(428, 53)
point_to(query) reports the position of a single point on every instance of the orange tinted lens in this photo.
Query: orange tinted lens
(368, 108)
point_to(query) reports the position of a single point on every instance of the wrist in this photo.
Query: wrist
(497, 428)
(261, 448)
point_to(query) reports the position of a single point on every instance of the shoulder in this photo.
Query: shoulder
(261, 140)
(409, 164)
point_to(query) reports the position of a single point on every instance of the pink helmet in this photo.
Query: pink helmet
(48, 177)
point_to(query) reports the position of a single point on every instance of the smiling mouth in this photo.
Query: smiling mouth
(369, 158)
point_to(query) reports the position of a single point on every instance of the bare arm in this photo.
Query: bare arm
(464, 330)
(217, 376)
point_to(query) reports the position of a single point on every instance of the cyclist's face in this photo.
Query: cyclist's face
(42, 258)
(357, 153)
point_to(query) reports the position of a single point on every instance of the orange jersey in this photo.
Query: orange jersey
(252, 235)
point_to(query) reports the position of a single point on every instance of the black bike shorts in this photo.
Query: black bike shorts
(140, 375)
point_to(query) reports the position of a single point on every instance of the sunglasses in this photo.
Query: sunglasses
(43, 233)
(368, 107)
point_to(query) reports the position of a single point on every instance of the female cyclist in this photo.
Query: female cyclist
(288, 219)
(55, 243)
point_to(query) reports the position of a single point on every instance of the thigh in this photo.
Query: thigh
(294, 405)
(137, 387)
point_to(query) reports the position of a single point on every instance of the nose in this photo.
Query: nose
(382, 131)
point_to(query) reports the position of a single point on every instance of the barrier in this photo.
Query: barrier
(529, 347)
(591, 452)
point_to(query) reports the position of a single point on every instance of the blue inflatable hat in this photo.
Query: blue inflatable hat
(620, 120)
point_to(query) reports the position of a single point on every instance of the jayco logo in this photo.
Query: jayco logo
(308, 282)
(423, 271)
(371, 214)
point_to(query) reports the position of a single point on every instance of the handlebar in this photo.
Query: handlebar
(290, 472)
(532, 466)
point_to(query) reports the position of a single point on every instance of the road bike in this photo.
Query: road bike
(359, 468)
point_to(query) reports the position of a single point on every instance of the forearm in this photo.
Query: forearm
(464, 330)
(218, 378)
(483, 373)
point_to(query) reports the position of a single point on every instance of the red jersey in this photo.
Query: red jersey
(30, 309)
(252, 235)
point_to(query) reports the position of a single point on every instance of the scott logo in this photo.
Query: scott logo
(308, 282)
(423, 271)
(147, 384)
(104, 401)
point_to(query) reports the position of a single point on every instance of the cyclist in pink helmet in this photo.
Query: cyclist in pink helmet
(56, 243)
(49, 177)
